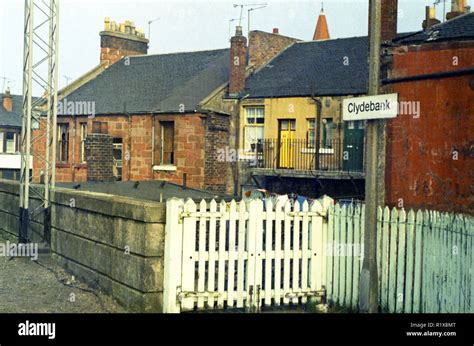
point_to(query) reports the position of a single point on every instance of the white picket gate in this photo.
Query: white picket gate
(242, 255)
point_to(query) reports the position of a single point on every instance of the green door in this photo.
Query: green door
(353, 153)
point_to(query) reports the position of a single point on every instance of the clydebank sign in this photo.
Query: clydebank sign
(370, 107)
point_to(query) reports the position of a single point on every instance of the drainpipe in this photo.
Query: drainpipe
(317, 129)
(152, 142)
(74, 132)
(129, 145)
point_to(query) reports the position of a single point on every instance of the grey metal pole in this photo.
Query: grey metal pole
(368, 297)
(26, 122)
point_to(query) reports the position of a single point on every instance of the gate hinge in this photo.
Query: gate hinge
(190, 294)
(319, 293)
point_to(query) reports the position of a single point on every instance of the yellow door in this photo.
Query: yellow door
(287, 136)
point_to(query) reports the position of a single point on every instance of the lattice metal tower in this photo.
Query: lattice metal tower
(40, 70)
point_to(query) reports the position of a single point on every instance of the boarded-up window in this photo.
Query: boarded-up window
(167, 142)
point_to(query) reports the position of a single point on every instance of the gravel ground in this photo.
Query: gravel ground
(27, 286)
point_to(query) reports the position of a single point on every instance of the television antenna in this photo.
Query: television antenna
(150, 22)
(248, 16)
(242, 10)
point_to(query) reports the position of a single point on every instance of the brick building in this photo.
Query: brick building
(163, 117)
(10, 129)
(148, 111)
(429, 161)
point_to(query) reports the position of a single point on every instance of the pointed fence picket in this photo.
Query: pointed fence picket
(254, 254)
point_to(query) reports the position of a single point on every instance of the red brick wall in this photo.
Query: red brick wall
(263, 46)
(389, 19)
(216, 170)
(137, 146)
(422, 170)
(188, 150)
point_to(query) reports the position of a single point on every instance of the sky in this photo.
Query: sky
(183, 25)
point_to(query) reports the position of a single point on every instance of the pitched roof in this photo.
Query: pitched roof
(11, 119)
(156, 83)
(458, 28)
(331, 68)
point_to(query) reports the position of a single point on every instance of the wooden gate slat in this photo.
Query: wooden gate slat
(268, 251)
(278, 247)
(189, 254)
(221, 253)
(212, 253)
(287, 250)
(241, 253)
(232, 254)
(410, 261)
(305, 250)
(202, 251)
(296, 248)
(401, 273)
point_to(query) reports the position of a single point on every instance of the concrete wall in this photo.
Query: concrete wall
(91, 233)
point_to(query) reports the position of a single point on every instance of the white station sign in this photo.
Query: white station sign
(370, 107)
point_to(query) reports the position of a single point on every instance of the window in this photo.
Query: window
(63, 142)
(167, 143)
(83, 142)
(254, 121)
(328, 133)
(310, 133)
(117, 153)
(9, 142)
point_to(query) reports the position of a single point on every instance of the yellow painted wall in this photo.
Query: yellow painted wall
(299, 108)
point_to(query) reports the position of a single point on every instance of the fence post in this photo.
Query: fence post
(172, 257)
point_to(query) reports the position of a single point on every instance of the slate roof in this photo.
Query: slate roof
(314, 68)
(11, 119)
(459, 28)
(156, 83)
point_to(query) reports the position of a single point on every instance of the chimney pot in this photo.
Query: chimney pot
(238, 30)
(457, 9)
(107, 24)
(276, 31)
(430, 18)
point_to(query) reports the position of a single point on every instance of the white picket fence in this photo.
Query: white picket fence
(254, 254)
(425, 260)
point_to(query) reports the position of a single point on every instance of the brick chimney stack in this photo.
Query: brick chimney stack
(458, 7)
(119, 40)
(389, 19)
(430, 19)
(7, 101)
(238, 50)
